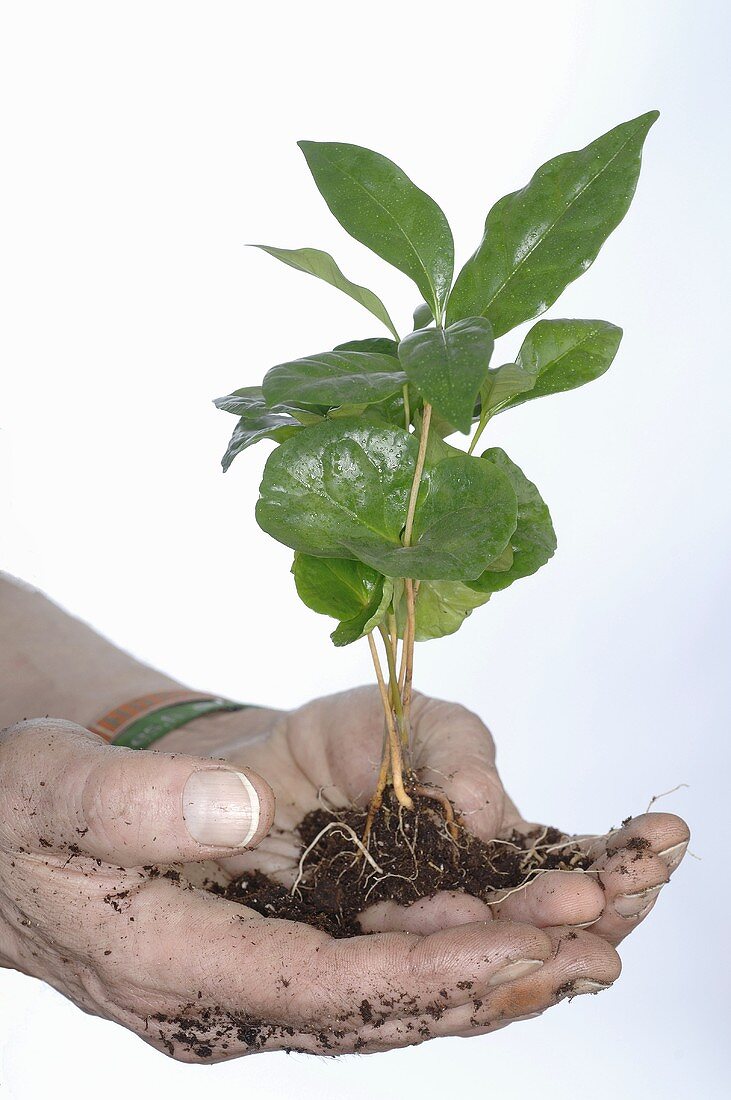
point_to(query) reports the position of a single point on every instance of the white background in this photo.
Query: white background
(143, 144)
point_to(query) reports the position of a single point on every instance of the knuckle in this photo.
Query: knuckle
(37, 733)
(108, 800)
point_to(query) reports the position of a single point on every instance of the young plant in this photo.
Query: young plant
(398, 534)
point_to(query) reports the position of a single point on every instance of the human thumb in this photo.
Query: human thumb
(64, 789)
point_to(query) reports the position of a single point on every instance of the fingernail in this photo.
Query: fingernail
(588, 923)
(588, 985)
(220, 808)
(671, 857)
(515, 970)
(632, 905)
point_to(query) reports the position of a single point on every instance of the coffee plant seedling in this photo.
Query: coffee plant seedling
(398, 534)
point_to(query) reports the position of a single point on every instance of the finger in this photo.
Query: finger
(632, 879)
(66, 791)
(665, 835)
(554, 898)
(447, 909)
(582, 963)
(453, 750)
(190, 943)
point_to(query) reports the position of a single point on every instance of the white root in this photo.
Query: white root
(353, 836)
(664, 794)
(531, 877)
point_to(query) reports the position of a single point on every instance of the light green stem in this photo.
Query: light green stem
(480, 429)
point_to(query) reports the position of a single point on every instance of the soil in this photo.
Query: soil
(415, 856)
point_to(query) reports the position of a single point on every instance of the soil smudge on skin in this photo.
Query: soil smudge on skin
(416, 857)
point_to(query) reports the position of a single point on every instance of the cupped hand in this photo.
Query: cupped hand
(99, 851)
(328, 752)
(101, 848)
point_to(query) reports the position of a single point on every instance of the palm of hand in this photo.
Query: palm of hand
(329, 750)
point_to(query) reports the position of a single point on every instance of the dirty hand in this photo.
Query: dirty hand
(329, 750)
(89, 901)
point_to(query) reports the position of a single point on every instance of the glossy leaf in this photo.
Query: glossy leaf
(391, 411)
(541, 238)
(249, 402)
(533, 542)
(345, 590)
(251, 430)
(449, 366)
(501, 385)
(373, 613)
(561, 355)
(462, 518)
(323, 266)
(440, 608)
(387, 411)
(378, 204)
(335, 378)
(379, 344)
(341, 489)
(334, 586)
(423, 316)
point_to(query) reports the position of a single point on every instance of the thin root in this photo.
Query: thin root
(531, 877)
(353, 836)
(664, 794)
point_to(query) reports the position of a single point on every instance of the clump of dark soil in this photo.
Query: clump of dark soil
(415, 856)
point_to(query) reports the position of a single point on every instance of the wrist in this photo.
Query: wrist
(214, 734)
(54, 664)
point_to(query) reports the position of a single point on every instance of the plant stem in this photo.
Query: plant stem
(393, 631)
(480, 429)
(394, 742)
(407, 407)
(404, 651)
(410, 586)
(408, 664)
(418, 471)
(394, 688)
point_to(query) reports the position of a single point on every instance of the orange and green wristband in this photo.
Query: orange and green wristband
(141, 722)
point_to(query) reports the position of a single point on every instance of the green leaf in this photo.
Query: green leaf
(373, 613)
(250, 430)
(449, 366)
(440, 608)
(461, 518)
(378, 344)
(340, 489)
(249, 402)
(378, 204)
(503, 561)
(391, 410)
(335, 378)
(423, 316)
(501, 385)
(561, 355)
(345, 590)
(323, 266)
(541, 238)
(533, 542)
